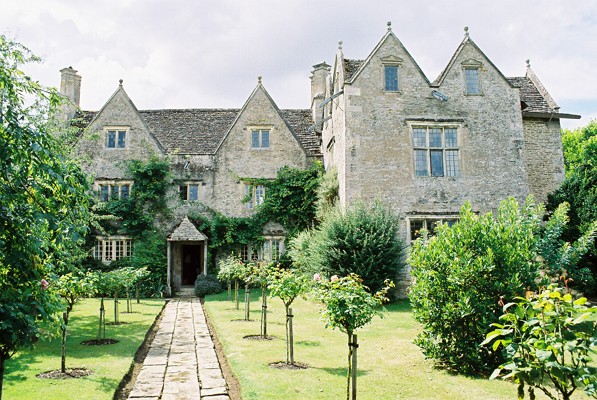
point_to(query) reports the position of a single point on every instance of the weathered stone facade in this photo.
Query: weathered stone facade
(423, 148)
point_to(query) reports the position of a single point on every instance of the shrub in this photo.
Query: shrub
(460, 275)
(546, 340)
(207, 284)
(362, 240)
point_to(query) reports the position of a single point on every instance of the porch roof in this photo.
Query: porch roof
(186, 231)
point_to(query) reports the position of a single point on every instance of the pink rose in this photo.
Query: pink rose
(44, 284)
(334, 278)
(316, 277)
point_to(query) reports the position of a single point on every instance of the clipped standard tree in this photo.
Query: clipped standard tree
(288, 285)
(43, 202)
(348, 306)
(361, 240)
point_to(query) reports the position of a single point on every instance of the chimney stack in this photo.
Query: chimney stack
(319, 80)
(70, 87)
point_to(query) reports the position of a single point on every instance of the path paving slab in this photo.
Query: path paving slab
(181, 363)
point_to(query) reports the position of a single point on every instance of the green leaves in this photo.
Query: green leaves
(287, 285)
(347, 303)
(43, 201)
(463, 276)
(553, 337)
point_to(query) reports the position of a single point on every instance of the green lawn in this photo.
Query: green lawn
(109, 362)
(390, 365)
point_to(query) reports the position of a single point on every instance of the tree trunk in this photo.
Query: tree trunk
(348, 372)
(236, 293)
(354, 347)
(1, 373)
(63, 328)
(129, 303)
(137, 294)
(247, 302)
(289, 337)
(229, 290)
(115, 307)
(264, 313)
(102, 320)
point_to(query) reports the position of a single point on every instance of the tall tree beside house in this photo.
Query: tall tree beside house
(43, 202)
(579, 189)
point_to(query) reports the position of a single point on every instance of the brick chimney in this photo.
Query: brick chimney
(319, 80)
(70, 87)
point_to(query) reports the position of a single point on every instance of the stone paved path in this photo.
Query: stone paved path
(181, 363)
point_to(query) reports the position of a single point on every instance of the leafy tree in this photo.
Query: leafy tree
(348, 305)
(461, 273)
(43, 202)
(71, 288)
(361, 240)
(464, 272)
(288, 285)
(547, 341)
(579, 189)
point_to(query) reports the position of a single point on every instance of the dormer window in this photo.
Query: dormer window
(391, 68)
(472, 81)
(116, 138)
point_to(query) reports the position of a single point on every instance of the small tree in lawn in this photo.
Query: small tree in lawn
(71, 287)
(130, 277)
(547, 341)
(260, 274)
(238, 273)
(288, 285)
(348, 305)
(225, 275)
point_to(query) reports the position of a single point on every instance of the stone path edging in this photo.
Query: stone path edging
(181, 363)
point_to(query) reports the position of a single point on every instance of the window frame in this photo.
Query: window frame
(426, 219)
(261, 138)
(252, 191)
(187, 185)
(104, 189)
(111, 248)
(391, 61)
(425, 155)
(264, 251)
(120, 138)
(472, 65)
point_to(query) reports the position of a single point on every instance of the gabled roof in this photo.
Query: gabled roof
(298, 128)
(529, 94)
(186, 231)
(200, 131)
(465, 41)
(354, 67)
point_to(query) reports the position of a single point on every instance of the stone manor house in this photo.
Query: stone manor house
(422, 147)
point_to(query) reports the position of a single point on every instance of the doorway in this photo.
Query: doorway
(191, 263)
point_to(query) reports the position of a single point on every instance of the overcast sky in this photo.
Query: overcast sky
(208, 54)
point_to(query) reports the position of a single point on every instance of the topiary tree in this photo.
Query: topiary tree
(288, 285)
(362, 240)
(547, 341)
(348, 305)
(72, 288)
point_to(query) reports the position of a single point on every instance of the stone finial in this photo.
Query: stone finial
(528, 63)
(120, 82)
(466, 34)
(340, 45)
(389, 25)
(259, 79)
